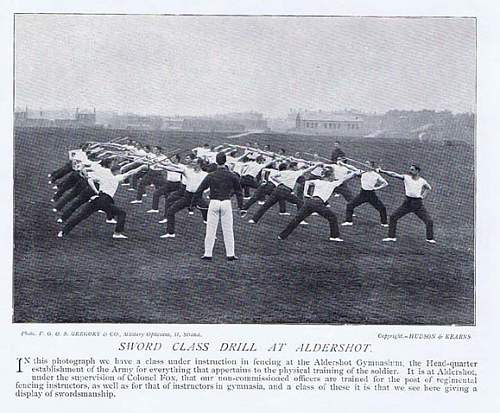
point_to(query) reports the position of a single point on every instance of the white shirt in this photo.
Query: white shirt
(252, 154)
(370, 180)
(287, 178)
(200, 151)
(231, 162)
(141, 152)
(318, 171)
(413, 187)
(96, 171)
(108, 183)
(340, 171)
(210, 157)
(253, 168)
(78, 154)
(238, 167)
(174, 176)
(192, 179)
(268, 173)
(320, 188)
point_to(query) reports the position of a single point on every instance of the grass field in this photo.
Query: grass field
(89, 277)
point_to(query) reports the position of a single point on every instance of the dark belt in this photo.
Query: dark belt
(106, 196)
(281, 186)
(220, 198)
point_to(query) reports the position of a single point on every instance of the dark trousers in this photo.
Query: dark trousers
(345, 191)
(416, 206)
(150, 177)
(313, 205)
(187, 200)
(248, 182)
(260, 194)
(71, 194)
(103, 202)
(173, 197)
(363, 197)
(134, 181)
(63, 171)
(81, 199)
(69, 182)
(280, 193)
(164, 190)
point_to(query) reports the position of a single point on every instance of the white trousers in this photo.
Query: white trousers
(224, 210)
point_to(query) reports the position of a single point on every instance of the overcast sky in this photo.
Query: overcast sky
(204, 65)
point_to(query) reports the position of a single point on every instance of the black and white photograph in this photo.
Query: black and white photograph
(228, 169)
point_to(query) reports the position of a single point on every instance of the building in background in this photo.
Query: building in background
(54, 118)
(330, 123)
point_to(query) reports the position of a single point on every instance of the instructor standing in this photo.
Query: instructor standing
(222, 184)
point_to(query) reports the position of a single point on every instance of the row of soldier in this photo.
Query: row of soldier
(87, 183)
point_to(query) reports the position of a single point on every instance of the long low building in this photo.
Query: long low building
(330, 123)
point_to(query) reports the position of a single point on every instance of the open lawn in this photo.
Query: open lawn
(89, 277)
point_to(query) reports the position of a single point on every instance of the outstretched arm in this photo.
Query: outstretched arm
(346, 165)
(351, 175)
(312, 167)
(126, 175)
(390, 173)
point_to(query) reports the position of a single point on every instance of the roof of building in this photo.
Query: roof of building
(329, 117)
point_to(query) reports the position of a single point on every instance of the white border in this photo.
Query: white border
(486, 335)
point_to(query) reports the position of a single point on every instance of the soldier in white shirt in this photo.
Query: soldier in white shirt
(62, 199)
(265, 188)
(193, 178)
(71, 180)
(249, 172)
(371, 181)
(316, 173)
(201, 151)
(285, 181)
(89, 172)
(153, 176)
(319, 192)
(340, 170)
(172, 184)
(416, 189)
(108, 184)
(179, 193)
